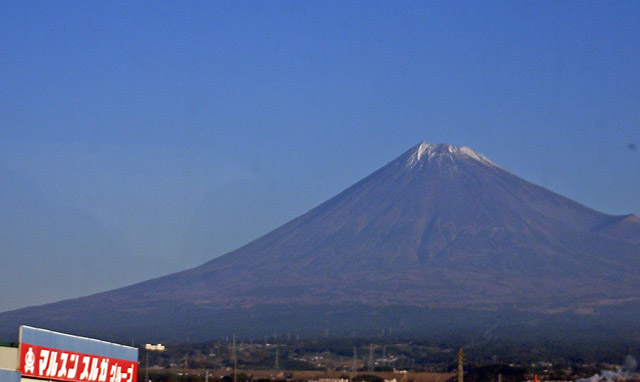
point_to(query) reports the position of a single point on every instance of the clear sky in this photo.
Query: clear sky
(142, 138)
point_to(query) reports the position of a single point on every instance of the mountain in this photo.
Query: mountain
(440, 238)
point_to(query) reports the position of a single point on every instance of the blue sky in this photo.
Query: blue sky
(177, 131)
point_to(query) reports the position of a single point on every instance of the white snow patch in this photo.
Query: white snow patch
(429, 151)
(424, 147)
(475, 155)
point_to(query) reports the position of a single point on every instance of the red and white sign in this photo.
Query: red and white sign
(63, 365)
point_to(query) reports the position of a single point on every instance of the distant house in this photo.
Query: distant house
(151, 347)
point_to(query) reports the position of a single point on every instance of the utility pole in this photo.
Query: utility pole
(354, 366)
(235, 361)
(384, 354)
(146, 369)
(277, 366)
(460, 367)
(370, 358)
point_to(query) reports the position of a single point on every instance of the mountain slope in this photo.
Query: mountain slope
(440, 227)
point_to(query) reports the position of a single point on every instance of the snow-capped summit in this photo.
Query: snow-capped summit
(428, 151)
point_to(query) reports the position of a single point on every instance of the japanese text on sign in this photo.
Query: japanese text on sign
(42, 362)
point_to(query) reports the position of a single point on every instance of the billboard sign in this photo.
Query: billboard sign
(63, 357)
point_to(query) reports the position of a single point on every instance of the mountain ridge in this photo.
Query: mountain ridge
(439, 227)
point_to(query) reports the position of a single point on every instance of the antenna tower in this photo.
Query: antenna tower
(460, 367)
